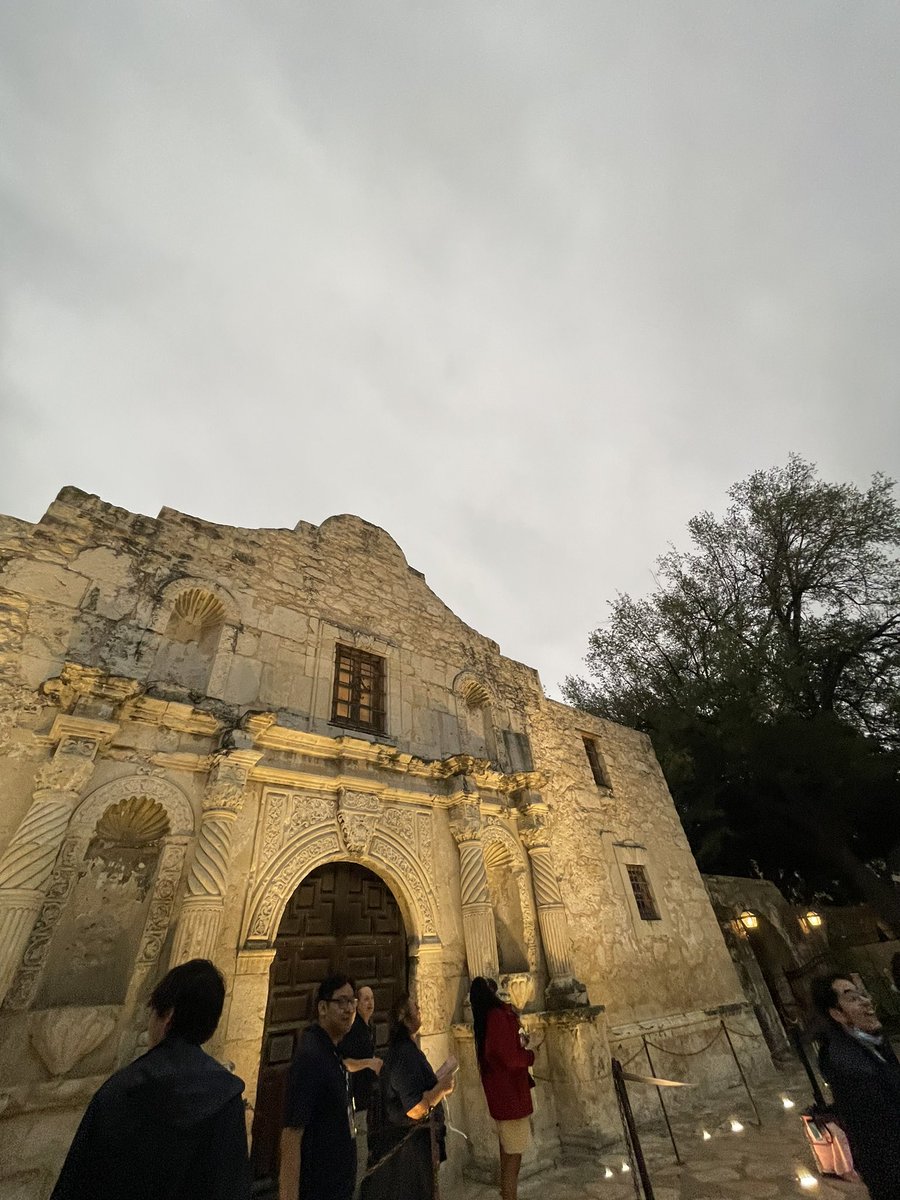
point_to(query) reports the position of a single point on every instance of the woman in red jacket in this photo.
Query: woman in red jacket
(503, 1060)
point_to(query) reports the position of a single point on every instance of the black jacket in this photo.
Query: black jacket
(866, 1095)
(170, 1126)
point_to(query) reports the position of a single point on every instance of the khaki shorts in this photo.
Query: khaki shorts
(515, 1136)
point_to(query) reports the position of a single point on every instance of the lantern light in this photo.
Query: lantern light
(807, 1181)
(787, 1102)
(607, 1174)
(625, 1167)
(749, 919)
(706, 1135)
(813, 919)
(737, 1127)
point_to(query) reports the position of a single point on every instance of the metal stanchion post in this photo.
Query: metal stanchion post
(631, 1133)
(737, 1063)
(662, 1103)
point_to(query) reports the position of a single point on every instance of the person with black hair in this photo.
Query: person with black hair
(318, 1146)
(861, 1067)
(406, 1138)
(504, 1061)
(170, 1124)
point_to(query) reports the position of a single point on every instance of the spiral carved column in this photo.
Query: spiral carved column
(28, 860)
(479, 931)
(204, 904)
(563, 989)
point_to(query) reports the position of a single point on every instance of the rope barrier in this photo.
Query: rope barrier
(688, 1053)
(742, 1033)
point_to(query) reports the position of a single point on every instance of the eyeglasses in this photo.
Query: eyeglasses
(343, 1001)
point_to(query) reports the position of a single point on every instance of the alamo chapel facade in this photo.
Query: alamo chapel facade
(278, 749)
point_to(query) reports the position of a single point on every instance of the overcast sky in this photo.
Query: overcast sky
(526, 284)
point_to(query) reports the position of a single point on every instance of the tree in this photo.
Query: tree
(766, 669)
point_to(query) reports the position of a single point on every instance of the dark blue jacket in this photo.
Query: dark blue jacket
(866, 1092)
(170, 1126)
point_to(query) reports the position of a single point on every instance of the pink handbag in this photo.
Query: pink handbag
(830, 1148)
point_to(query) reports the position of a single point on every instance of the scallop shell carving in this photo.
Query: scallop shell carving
(200, 608)
(63, 1036)
(475, 694)
(136, 821)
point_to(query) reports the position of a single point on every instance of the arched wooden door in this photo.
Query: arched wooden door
(341, 918)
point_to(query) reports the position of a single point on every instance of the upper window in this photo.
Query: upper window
(593, 754)
(643, 894)
(358, 700)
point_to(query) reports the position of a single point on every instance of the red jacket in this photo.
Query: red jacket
(504, 1067)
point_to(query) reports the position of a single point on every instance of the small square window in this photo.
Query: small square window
(643, 895)
(358, 696)
(593, 756)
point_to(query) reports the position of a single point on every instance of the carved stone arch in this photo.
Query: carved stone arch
(171, 797)
(472, 690)
(163, 604)
(386, 856)
(502, 849)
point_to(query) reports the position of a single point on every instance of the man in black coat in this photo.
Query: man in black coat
(170, 1126)
(860, 1065)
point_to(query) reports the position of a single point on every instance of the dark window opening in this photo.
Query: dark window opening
(518, 751)
(593, 755)
(643, 895)
(358, 698)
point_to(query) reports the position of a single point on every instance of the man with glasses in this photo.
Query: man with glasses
(860, 1065)
(318, 1148)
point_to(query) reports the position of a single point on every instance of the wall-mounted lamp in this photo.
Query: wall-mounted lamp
(749, 919)
(813, 919)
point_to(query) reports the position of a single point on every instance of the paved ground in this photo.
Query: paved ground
(762, 1163)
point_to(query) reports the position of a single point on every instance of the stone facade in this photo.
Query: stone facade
(171, 770)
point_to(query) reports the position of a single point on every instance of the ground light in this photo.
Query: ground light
(706, 1135)
(625, 1167)
(787, 1102)
(607, 1174)
(807, 1181)
(737, 1127)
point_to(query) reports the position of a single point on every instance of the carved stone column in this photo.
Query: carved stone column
(477, 912)
(204, 904)
(563, 989)
(28, 860)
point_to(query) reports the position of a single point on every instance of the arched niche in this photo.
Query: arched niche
(194, 620)
(474, 709)
(510, 893)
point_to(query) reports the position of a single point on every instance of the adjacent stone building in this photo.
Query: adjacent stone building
(279, 749)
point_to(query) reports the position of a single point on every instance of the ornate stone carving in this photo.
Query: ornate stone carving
(273, 825)
(272, 892)
(400, 822)
(27, 862)
(465, 819)
(473, 884)
(172, 799)
(425, 824)
(432, 994)
(358, 814)
(62, 880)
(165, 888)
(63, 1036)
(307, 812)
(402, 865)
(519, 986)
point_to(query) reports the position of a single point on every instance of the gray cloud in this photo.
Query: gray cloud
(525, 284)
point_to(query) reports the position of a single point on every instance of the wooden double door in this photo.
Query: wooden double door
(341, 918)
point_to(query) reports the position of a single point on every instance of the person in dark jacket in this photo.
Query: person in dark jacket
(170, 1126)
(504, 1061)
(406, 1143)
(861, 1067)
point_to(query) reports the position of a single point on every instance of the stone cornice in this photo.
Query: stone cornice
(171, 714)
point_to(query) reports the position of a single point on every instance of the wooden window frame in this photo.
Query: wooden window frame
(349, 690)
(642, 890)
